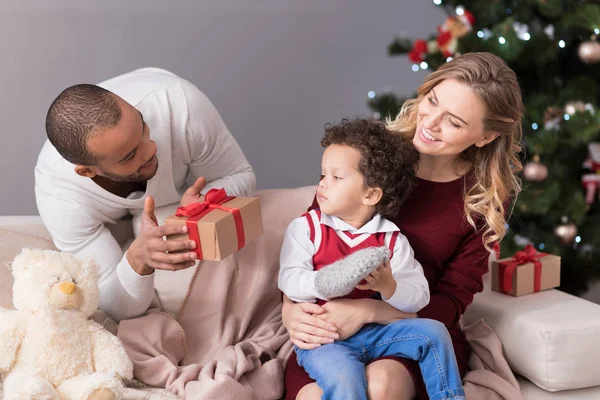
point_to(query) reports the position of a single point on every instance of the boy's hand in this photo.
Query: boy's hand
(380, 280)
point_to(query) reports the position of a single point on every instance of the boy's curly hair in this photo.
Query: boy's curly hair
(387, 161)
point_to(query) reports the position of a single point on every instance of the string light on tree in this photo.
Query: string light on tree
(484, 34)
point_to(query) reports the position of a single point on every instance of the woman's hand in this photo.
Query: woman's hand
(348, 315)
(306, 329)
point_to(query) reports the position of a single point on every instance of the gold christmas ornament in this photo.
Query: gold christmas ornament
(566, 231)
(535, 171)
(589, 52)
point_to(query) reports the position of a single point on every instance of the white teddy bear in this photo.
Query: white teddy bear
(49, 349)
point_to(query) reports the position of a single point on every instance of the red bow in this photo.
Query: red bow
(527, 255)
(213, 199)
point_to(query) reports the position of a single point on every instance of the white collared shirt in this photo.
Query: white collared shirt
(297, 274)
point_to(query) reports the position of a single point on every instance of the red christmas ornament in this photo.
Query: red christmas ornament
(418, 52)
(420, 45)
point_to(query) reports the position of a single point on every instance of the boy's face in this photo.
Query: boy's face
(342, 190)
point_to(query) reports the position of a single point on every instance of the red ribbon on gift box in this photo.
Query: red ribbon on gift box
(507, 268)
(213, 200)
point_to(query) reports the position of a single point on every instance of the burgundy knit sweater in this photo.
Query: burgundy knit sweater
(451, 252)
(453, 258)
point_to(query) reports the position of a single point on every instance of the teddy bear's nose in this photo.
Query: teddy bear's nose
(67, 287)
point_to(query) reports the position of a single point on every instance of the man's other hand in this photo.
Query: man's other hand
(150, 251)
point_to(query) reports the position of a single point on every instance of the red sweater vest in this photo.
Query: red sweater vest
(332, 245)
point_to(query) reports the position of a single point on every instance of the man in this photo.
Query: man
(121, 148)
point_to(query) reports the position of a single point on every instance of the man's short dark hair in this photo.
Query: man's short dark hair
(75, 115)
(387, 161)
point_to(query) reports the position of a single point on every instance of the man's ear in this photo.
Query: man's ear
(489, 137)
(373, 196)
(85, 171)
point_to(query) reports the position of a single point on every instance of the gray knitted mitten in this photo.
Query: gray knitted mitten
(341, 277)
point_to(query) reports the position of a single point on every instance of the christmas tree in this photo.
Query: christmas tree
(553, 47)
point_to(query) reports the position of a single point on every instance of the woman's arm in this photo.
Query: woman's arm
(462, 279)
(380, 312)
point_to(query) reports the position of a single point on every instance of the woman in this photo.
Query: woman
(466, 125)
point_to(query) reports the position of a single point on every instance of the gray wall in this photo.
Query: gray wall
(277, 70)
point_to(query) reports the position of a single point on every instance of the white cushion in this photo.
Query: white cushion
(532, 392)
(551, 337)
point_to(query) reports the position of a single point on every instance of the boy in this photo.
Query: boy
(366, 175)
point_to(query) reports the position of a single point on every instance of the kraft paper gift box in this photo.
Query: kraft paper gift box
(526, 272)
(221, 225)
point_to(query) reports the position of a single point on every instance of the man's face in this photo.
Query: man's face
(125, 153)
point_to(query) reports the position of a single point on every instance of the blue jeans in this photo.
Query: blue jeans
(339, 367)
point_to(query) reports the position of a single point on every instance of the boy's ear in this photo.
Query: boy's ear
(373, 196)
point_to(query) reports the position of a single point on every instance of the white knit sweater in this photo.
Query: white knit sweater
(192, 141)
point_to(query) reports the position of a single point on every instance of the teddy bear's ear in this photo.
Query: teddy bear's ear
(23, 260)
(90, 268)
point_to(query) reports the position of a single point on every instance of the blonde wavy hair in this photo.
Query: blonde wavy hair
(495, 165)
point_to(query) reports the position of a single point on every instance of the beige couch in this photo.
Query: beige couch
(550, 339)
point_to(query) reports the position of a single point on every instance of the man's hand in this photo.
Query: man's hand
(380, 280)
(148, 250)
(192, 194)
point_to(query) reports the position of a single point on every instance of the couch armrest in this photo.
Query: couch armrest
(550, 337)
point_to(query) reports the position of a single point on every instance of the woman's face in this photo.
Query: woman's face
(450, 120)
